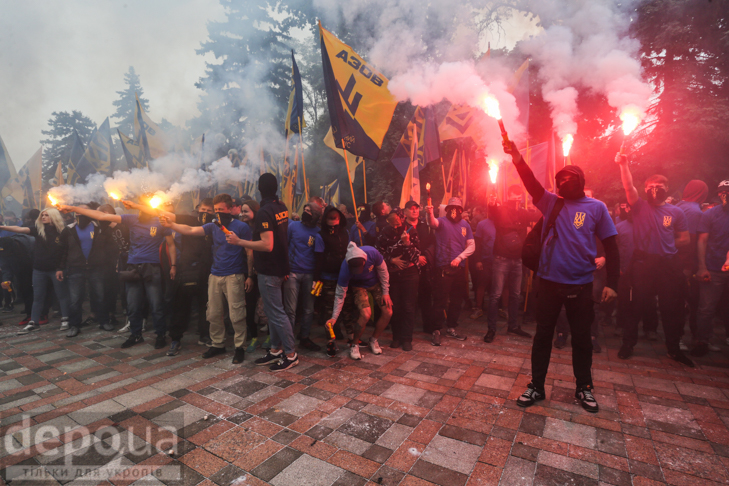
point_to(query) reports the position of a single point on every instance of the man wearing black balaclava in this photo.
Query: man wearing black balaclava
(659, 229)
(713, 251)
(566, 267)
(271, 263)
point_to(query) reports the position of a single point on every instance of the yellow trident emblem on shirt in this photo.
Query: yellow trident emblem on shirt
(152, 230)
(579, 220)
(667, 221)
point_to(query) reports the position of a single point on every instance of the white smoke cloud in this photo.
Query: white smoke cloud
(588, 48)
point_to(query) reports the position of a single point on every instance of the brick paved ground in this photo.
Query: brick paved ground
(431, 416)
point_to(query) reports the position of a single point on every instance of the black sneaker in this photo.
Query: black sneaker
(681, 358)
(212, 352)
(285, 363)
(587, 399)
(269, 358)
(489, 337)
(530, 396)
(309, 344)
(451, 333)
(133, 339)
(625, 351)
(407, 346)
(239, 356)
(561, 341)
(519, 332)
(160, 342)
(175, 348)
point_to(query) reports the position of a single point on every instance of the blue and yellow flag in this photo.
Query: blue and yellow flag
(411, 184)
(353, 161)
(428, 142)
(132, 152)
(96, 158)
(25, 187)
(360, 105)
(151, 138)
(461, 122)
(295, 114)
(7, 169)
(330, 193)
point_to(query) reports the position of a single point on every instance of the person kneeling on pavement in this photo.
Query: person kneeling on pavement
(365, 269)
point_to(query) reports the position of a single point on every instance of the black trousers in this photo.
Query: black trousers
(404, 295)
(184, 295)
(626, 306)
(425, 297)
(578, 305)
(251, 303)
(449, 291)
(691, 294)
(657, 275)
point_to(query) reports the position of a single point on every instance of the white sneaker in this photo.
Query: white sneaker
(354, 352)
(32, 326)
(714, 348)
(127, 327)
(375, 346)
(682, 346)
(144, 325)
(64, 325)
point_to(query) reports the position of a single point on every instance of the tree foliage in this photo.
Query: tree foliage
(57, 145)
(126, 104)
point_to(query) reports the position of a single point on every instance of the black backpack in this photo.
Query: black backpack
(532, 249)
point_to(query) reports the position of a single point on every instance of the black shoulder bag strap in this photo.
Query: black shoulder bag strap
(558, 205)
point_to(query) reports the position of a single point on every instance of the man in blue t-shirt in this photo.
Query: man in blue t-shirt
(227, 276)
(305, 252)
(146, 234)
(364, 269)
(713, 273)
(659, 229)
(565, 274)
(453, 244)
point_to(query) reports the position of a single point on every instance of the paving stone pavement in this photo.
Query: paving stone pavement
(84, 411)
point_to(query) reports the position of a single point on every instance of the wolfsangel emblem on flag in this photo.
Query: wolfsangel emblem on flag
(579, 220)
(667, 221)
(463, 231)
(152, 230)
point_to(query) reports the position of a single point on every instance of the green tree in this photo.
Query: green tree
(246, 91)
(57, 145)
(684, 46)
(126, 104)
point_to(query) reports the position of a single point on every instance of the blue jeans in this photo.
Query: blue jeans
(279, 325)
(298, 286)
(41, 281)
(151, 289)
(77, 289)
(710, 295)
(506, 271)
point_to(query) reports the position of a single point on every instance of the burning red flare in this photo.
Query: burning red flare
(630, 118)
(567, 144)
(493, 170)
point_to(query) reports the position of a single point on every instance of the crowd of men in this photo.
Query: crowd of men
(250, 266)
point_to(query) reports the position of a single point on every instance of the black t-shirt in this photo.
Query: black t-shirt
(273, 216)
(511, 229)
(195, 249)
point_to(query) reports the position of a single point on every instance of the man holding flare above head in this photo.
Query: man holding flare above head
(566, 266)
(143, 272)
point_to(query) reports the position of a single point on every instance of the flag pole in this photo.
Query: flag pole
(303, 163)
(364, 178)
(351, 188)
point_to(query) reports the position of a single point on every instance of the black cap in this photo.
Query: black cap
(410, 204)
